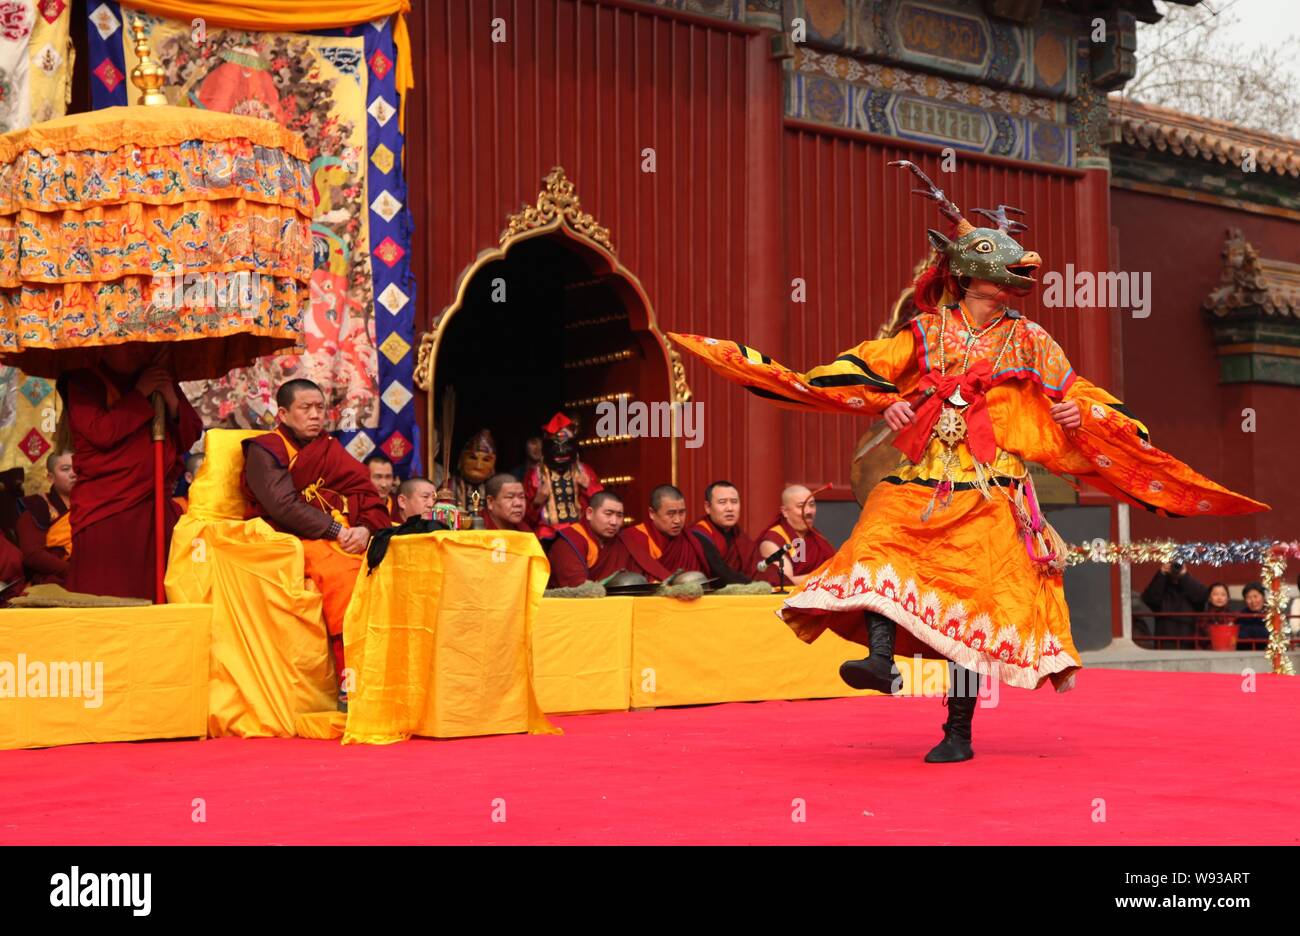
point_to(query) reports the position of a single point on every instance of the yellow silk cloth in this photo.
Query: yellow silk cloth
(439, 638)
(735, 649)
(270, 654)
(297, 16)
(148, 668)
(582, 654)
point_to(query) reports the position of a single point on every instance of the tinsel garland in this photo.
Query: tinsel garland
(1270, 556)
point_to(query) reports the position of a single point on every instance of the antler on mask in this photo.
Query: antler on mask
(999, 217)
(936, 195)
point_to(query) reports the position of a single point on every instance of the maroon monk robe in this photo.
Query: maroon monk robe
(816, 548)
(112, 502)
(736, 550)
(342, 483)
(490, 523)
(11, 571)
(662, 554)
(42, 563)
(578, 555)
(394, 510)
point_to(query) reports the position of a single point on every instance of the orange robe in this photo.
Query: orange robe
(961, 583)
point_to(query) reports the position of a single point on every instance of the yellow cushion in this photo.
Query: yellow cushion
(215, 493)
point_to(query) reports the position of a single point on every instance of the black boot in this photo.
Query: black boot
(878, 670)
(955, 746)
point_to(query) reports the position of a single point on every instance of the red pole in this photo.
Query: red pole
(159, 498)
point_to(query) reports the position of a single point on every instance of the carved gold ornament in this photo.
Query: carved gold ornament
(558, 201)
(951, 427)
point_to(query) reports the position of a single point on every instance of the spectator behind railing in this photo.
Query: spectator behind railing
(1251, 626)
(1173, 589)
(1217, 604)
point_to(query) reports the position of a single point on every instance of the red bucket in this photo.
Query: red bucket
(1223, 636)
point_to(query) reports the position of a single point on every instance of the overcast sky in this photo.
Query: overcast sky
(1262, 22)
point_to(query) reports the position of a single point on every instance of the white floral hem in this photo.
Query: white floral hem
(975, 643)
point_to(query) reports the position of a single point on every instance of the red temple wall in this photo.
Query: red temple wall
(1171, 373)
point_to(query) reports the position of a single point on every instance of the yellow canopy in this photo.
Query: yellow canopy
(159, 225)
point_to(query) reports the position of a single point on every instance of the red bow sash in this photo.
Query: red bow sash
(974, 384)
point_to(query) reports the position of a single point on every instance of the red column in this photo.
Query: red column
(764, 462)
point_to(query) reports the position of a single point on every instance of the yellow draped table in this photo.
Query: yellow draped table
(77, 675)
(439, 638)
(602, 654)
(582, 654)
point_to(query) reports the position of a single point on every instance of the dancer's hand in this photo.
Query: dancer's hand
(1067, 415)
(899, 414)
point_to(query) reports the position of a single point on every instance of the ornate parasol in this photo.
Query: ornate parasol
(171, 226)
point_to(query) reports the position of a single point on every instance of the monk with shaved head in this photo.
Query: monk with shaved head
(661, 545)
(304, 482)
(794, 525)
(415, 497)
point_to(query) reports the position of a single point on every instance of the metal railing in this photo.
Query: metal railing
(1199, 637)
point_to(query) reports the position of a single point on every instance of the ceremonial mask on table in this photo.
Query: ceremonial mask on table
(478, 459)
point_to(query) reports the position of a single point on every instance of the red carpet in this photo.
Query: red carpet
(1185, 758)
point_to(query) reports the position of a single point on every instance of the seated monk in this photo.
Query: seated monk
(45, 528)
(11, 571)
(729, 552)
(304, 482)
(506, 504)
(794, 525)
(385, 481)
(182, 496)
(591, 550)
(110, 417)
(660, 546)
(415, 498)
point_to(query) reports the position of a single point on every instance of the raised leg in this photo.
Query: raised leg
(877, 671)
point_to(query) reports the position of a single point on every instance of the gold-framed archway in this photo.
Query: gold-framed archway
(557, 217)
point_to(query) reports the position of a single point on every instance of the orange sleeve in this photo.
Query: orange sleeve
(865, 379)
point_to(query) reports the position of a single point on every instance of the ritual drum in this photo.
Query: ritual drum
(866, 472)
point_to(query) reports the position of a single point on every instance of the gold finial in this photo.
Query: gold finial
(147, 75)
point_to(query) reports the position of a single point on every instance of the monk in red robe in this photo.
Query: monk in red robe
(45, 527)
(728, 551)
(385, 481)
(11, 571)
(662, 545)
(505, 504)
(591, 550)
(112, 514)
(794, 525)
(302, 481)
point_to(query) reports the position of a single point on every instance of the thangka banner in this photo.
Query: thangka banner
(35, 61)
(336, 88)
